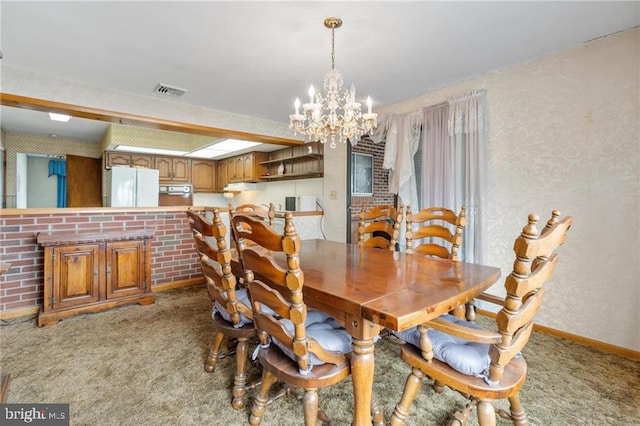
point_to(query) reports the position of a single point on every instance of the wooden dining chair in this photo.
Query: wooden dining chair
(207, 214)
(232, 314)
(379, 227)
(303, 349)
(255, 210)
(438, 232)
(481, 364)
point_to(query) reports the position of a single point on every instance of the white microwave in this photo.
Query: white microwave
(300, 203)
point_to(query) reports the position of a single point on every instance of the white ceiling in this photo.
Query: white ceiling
(254, 58)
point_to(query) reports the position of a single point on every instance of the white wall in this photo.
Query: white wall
(564, 133)
(42, 189)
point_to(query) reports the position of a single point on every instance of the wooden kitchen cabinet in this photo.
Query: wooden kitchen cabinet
(117, 158)
(252, 169)
(234, 170)
(246, 167)
(222, 175)
(173, 169)
(203, 175)
(92, 271)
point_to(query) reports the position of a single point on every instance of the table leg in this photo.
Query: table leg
(362, 366)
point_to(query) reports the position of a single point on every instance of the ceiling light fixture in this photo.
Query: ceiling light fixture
(332, 115)
(59, 117)
(222, 148)
(145, 150)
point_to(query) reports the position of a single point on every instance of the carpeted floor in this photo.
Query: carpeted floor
(143, 365)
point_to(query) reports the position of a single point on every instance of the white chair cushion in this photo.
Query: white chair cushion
(325, 330)
(462, 355)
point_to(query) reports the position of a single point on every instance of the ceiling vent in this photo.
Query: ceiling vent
(165, 89)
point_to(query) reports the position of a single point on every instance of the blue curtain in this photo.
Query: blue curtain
(59, 167)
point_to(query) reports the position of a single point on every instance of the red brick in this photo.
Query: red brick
(50, 220)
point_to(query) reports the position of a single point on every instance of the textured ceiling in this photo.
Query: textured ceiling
(254, 58)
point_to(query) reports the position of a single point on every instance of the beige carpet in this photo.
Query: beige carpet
(143, 365)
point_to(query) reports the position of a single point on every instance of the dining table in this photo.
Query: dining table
(370, 289)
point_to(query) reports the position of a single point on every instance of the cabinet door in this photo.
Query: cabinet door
(247, 168)
(163, 164)
(173, 169)
(222, 179)
(181, 170)
(252, 170)
(75, 276)
(203, 175)
(116, 159)
(233, 170)
(138, 160)
(125, 269)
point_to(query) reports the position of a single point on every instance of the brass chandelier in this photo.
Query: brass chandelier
(333, 115)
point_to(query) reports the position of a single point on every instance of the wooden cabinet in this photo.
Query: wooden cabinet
(173, 169)
(93, 271)
(116, 158)
(252, 167)
(222, 175)
(203, 175)
(234, 169)
(299, 162)
(246, 167)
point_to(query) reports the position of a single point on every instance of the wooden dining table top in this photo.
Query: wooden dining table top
(390, 289)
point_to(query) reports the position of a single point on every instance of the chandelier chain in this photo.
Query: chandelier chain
(333, 48)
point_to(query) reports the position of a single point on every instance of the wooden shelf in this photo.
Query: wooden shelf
(300, 162)
(288, 159)
(292, 176)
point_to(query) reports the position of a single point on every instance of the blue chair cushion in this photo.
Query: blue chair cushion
(325, 330)
(462, 355)
(243, 297)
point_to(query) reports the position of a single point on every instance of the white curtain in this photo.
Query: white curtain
(467, 132)
(437, 159)
(402, 136)
(453, 161)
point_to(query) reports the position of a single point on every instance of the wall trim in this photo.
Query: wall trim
(34, 310)
(592, 343)
(177, 284)
(17, 313)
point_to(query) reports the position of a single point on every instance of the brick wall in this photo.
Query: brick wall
(173, 255)
(381, 194)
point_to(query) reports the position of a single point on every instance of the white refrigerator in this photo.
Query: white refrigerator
(134, 187)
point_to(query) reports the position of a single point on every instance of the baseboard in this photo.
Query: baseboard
(17, 313)
(34, 310)
(177, 284)
(596, 344)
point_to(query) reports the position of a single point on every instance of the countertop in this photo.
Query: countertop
(296, 214)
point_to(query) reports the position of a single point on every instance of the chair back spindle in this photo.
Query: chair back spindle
(434, 225)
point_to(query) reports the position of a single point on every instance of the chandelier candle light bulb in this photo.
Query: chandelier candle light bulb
(333, 114)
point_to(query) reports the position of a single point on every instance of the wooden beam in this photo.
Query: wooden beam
(108, 116)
